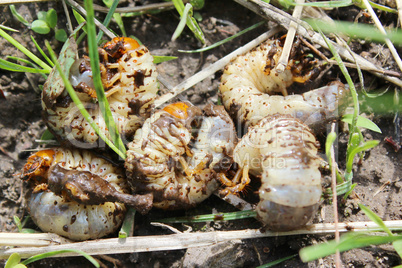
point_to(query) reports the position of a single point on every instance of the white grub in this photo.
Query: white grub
(249, 83)
(130, 84)
(58, 213)
(163, 159)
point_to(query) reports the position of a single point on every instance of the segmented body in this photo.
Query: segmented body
(249, 82)
(129, 79)
(283, 151)
(61, 213)
(163, 160)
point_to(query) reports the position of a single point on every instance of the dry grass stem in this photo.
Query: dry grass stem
(210, 70)
(171, 242)
(382, 30)
(399, 6)
(283, 59)
(282, 18)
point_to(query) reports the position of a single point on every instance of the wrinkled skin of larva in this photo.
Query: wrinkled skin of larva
(249, 82)
(129, 80)
(283, 151)
(163, 160)
(77, 194)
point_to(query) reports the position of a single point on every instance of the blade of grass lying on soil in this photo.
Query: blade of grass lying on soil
(351, 241)
(217, 44)
(9, 66)
(96, 76)
(171, 242)
(53, 253)
(159, 59)
(347, 242)
(46, 68)
(79, 104)
(213, 217)
(42, 52)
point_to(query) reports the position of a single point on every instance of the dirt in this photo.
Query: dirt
(21, 126)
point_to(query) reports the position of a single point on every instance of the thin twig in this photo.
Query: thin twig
(213, 68)
(174, 241)
(382, 30)
(70, 25)
(282, 18)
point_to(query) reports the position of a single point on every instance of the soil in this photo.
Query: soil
(21, 125)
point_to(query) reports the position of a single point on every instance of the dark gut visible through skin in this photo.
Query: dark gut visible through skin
(87, 188)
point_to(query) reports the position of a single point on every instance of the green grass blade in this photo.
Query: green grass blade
(18, 16)
(383, 8)
(224, 40)
(79, 104)
(41, 51)
(127, 227)
(213, 217)
(9, 66)
(398, 248)
(96, 76)
(80, 20)
(186, 12)
(25, 51)
(363, 147)
(8, 28)
(57, 252)
(112, 5)
(272, 264)
(181, 25)
(375, 218)
(357, 30)
(159, 59)
(13, 260)
(361, 122)
(347, 242)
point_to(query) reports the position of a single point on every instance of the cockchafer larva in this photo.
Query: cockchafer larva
(247, 85)
(129, 79)
(283, 151)
(163, 159)
(77, 194)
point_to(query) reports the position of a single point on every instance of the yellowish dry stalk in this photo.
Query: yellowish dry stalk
(382, 30)
(170, 242)
(283, 59)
